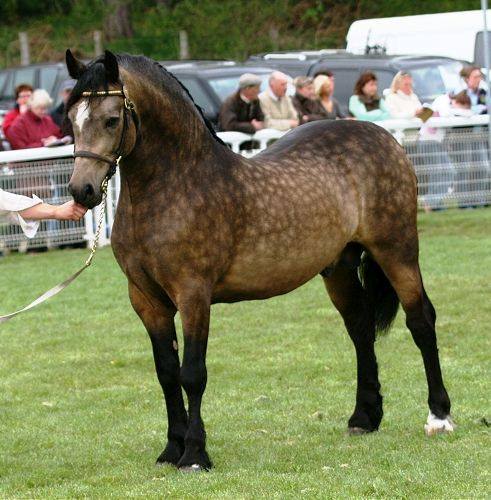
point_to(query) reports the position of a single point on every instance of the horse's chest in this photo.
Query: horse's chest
(167, 244)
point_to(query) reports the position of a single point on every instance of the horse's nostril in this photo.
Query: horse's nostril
(88, 190)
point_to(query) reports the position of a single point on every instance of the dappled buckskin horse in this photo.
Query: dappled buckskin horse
(198, 224)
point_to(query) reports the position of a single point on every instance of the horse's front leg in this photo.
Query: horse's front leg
(194, 308)
(158, 317)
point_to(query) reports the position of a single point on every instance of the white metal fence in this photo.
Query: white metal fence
(451, 160)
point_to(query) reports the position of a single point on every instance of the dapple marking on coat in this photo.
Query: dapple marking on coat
(198, 224)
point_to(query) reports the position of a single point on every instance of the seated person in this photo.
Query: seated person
(402, 102)
(58, 114)
(277, 107)
(308, 107)
(23, 93)
(472, 77)
(35, 128)
(324, 87)
(366, 104)
(241, 111)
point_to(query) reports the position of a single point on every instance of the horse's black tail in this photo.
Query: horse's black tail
(380, 295)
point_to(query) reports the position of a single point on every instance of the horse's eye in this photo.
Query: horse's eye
(112, 122)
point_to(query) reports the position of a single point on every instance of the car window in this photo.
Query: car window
(345, 80)
(479, 59)
(432, 81)
(226, 86)
(23, 75)
(3, 79)
(384, 80)
(199, 95)
(47, 78)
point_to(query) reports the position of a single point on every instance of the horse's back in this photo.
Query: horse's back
(363, 163)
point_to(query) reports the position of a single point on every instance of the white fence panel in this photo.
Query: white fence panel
(452, 171)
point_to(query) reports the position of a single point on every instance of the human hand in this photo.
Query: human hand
(293, 123)
(49, 140)
(257, 124)
(70, 211)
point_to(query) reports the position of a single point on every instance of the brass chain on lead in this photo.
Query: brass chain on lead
(102, 215)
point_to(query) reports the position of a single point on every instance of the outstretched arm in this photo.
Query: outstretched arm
(68, 211)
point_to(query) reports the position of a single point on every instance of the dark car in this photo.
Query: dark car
(48, 76)
(210, 84)
(432, 76)
(293, 63)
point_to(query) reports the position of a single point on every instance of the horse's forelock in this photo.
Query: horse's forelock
(94, 78)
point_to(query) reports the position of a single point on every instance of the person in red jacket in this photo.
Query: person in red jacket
(35, 128)
(23, 93)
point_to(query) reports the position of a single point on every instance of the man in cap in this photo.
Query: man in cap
(277, 107)
(241, 111)
(58, 114)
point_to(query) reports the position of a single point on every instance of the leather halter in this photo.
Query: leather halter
(129, 108)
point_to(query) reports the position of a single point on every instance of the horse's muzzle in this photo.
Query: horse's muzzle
(86, 195)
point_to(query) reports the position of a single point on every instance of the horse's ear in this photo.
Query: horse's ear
(74, 66)
(111, 65)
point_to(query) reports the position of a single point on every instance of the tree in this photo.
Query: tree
(117, 21)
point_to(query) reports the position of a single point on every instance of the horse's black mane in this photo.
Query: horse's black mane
(95, 78)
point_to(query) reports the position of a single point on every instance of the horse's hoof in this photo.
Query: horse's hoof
(357, 431)
(188, 469)
(435, 425)
(171, 455)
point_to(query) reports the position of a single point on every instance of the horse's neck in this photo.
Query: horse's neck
(168, 163)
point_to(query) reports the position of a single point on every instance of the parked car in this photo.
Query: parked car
(210, 84)
(48, 76)
(432, 75)
(293, 63)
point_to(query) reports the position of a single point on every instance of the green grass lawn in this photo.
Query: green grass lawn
(82, 413)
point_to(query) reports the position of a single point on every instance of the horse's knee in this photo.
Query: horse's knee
(194, 377)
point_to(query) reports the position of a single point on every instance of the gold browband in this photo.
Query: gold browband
(91, 93)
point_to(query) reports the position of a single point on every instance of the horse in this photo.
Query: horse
(197, 224)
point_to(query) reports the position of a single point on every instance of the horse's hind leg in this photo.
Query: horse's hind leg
(348, 296)
(401, 267)
(158, 317)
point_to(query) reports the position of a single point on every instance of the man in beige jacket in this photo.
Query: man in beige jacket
(277, 107)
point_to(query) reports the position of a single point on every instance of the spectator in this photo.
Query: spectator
(26, 211)
(440, 172)
(34, 128)
(453, 105)
(323, 87)
(402, 102)
(472, 77)
(365, 104)
(58, 114)
(23, 93)
(329, 74)
(277, 107)
(241, 111)
(309, 108)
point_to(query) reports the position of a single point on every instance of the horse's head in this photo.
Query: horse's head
(104, 125)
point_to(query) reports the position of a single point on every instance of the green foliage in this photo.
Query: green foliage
(83, 415)
(216, 28)
(15, 10)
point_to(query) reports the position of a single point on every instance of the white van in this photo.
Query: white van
(451, 34)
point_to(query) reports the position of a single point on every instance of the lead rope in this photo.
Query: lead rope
(61, 286)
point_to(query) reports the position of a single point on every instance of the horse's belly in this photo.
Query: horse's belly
(267, 272)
